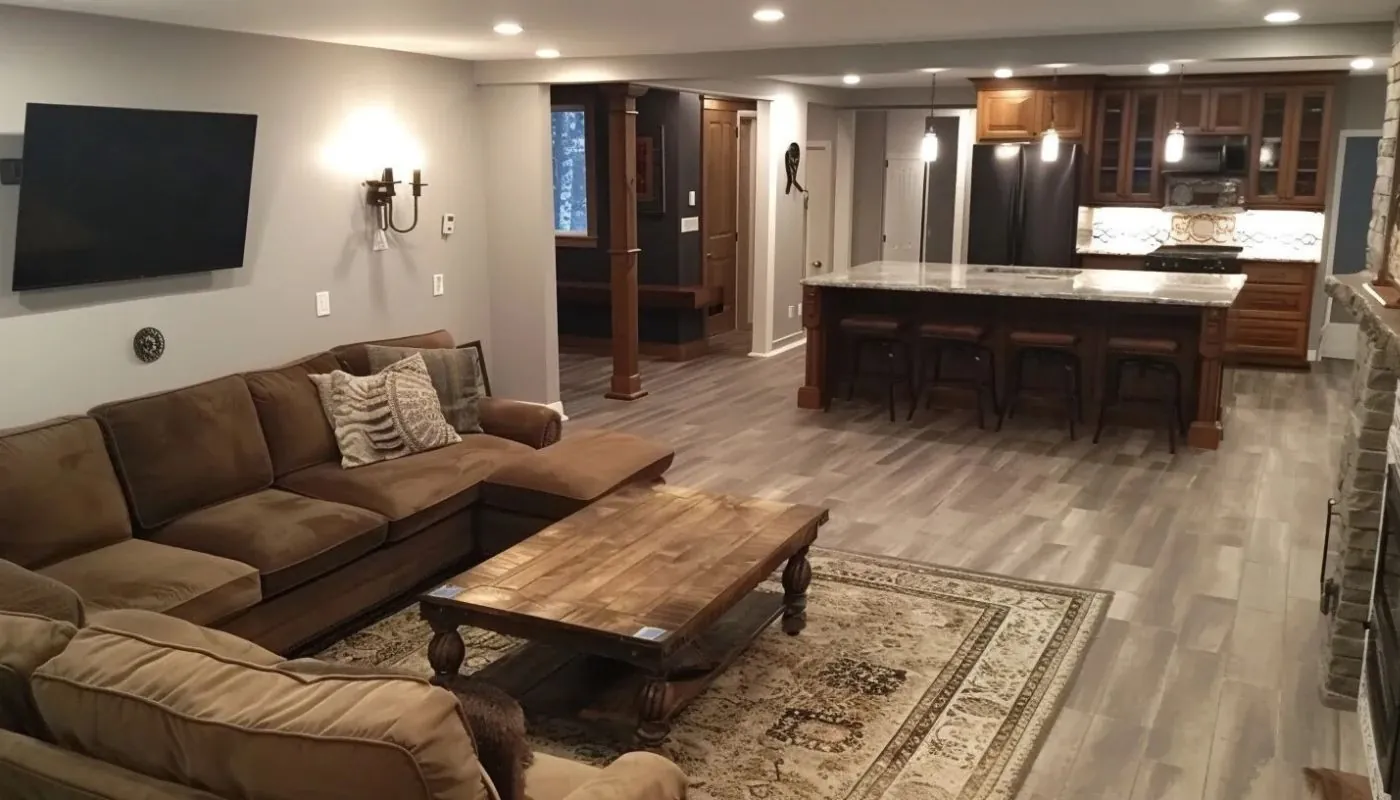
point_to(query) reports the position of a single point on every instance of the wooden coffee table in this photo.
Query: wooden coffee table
(661, 578)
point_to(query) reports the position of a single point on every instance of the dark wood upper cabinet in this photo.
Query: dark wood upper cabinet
(1008, 114)
(1229, 110)
(1291, 162)
(1143, 181)
(1190, 108)
(1111, 134)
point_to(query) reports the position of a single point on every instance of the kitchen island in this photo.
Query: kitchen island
(1092, 304)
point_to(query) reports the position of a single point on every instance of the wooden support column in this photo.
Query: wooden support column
(1208, 428)
(622, 238)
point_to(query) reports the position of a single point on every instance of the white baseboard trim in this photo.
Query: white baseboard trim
(1338, 340)
(783, 345)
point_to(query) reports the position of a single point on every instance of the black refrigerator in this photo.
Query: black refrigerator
(1024, 211)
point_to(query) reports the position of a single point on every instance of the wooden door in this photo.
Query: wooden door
(1307, 145)
(720, 220)
(1142, 178)
(1228, 109)
(1270, 146)
(1190, 109)
(1008, 114)
(1112, 133)
(1069, 108)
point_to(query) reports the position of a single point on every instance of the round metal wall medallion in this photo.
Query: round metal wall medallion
(149, 344)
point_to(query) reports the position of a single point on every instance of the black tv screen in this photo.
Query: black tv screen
(111, 194)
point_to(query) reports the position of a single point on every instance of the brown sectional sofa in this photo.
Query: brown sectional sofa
(224, 503)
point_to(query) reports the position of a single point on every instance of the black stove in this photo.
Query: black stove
(1209, 259)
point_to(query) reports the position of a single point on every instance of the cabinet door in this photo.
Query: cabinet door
(1228, 110)
(1142, 182)
(1067, 111)
(1112, 135)
(1270, 146)
(1008, 114)
(1306, 146)
(1190, 108)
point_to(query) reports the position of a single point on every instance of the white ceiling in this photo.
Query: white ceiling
(462, 28)
(950, 78)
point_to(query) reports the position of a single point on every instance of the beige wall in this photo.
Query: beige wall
(868, 209)
(67, 349)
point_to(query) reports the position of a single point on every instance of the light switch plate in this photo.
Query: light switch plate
(323, 304)
(692, 198)
(690, 224)
(437, 285)
(449, 224)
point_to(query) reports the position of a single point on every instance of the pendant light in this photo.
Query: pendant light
(1175, 148)
(928, 148)
(1050, 140)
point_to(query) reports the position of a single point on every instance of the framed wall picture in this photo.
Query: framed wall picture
(651, 172)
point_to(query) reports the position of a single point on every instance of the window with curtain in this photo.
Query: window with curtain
(570, 141)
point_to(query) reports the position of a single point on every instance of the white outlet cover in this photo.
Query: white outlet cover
(791, 309)
(449, 224)
(692, 198)
(690, 224)
(323, 304)
(437, 285)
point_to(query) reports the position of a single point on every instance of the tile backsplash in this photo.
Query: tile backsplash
(1293, 234)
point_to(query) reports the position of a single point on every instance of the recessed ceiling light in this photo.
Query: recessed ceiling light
(508, 28)
(1362, 63)
(1160, 68)
(933, 69)
(850, 80)
(547, 52)
(1004, 72)
(1057, 66)
(769, 15)
(1282, 17)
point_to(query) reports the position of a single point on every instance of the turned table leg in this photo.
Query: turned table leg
(447, 651)
(797, 576)
(653, 703)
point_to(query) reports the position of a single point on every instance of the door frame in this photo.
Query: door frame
(748, 198)
(1338, 339)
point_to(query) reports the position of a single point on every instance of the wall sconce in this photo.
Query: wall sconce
(380, 196)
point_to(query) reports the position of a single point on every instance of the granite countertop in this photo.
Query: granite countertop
(1101, 285)
(1248, 254)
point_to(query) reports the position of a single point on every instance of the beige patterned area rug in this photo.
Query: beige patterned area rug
(910, 681)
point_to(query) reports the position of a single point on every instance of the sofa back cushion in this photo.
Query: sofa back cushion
(23, 591)
(355, 360)
(293, 423)
(184, 450)
(242, 730)
(26, 641)
(59, 496)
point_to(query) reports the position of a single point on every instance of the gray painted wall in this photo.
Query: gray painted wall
(821, 123)
(1362, 107)
(940, 187)
(868, 215)
(68, 349)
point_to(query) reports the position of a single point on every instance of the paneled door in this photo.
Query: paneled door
(720, 222)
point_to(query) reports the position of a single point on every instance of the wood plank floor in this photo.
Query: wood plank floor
(1203, 682)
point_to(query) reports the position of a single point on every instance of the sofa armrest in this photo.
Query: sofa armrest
(527, 423)
(635, 776)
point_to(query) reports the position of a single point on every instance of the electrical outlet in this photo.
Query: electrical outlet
(692, 198)
(323, 304)
(437, 285)
(791, 309)
(690, 224)
(449, 224)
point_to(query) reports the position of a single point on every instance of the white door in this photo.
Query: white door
(820, 180)
(904, 208)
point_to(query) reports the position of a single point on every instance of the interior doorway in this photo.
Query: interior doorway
(748, 152)
(1348, 219)
(821, 182)
(720, 213)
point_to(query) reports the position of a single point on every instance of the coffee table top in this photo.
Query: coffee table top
(651, 567)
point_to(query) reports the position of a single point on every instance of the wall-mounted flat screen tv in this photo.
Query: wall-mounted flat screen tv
(112, 194)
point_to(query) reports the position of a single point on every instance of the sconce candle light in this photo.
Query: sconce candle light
(380, 196)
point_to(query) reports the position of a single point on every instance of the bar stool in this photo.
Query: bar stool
(884, 335)
(938, 338)
(1156, 356)
(1052, 349)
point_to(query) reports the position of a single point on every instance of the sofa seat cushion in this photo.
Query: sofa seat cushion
(243, 730)
(26, 641)
(585, 465)
(186, 449)
(193, 586)
(415, 491)
(59, 495)
(291, 539)
(633, 776)
(34, 770)
(27, 592)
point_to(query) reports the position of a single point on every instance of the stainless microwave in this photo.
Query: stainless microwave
(1213, 155)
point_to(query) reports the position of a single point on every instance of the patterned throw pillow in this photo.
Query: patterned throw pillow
(387, 415)
(456, 375)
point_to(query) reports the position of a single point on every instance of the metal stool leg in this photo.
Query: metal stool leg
(1110, 393)
(1013, 388)
(1070, 394)
(857, 345)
